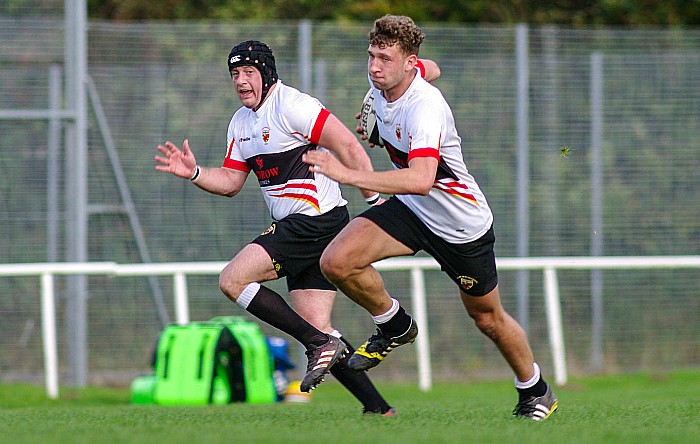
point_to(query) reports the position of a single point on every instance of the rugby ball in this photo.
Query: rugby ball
(368, 120)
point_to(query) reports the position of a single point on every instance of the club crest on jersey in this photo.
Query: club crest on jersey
(466, 282)
(259, 161)
(397, 130)
(270, 230)
(266, 134)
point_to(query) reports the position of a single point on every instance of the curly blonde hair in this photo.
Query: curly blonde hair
(397, 29)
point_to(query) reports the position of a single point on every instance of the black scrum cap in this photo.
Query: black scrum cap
(256, 54)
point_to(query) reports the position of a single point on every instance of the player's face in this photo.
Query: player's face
(390, 70)
(247, 81)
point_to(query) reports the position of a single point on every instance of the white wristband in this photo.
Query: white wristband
(373, 200)
(197, 172)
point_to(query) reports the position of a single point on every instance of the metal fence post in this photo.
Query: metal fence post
(418, 304)
(48, 331)
(522, 140)
(554, 325)
(596, 92)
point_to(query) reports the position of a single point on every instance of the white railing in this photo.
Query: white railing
(416, 266)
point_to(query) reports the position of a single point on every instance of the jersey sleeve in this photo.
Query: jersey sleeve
(421, 68)
(306, 117)
(426, 125)
(234, 159)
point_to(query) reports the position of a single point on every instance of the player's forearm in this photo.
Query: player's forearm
(217, 181)
(418, 178)
(359, 160)
(404, 181)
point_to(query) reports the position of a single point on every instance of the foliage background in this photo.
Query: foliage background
(565, 12)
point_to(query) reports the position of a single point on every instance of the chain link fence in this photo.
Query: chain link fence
(158, 81)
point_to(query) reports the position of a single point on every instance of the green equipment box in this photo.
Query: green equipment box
(223, 360)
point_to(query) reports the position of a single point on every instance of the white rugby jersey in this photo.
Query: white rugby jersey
(271, 141)
(420, 124)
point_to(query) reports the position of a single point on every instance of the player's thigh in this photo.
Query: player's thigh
(361, 243)
(315, 306)
(251, 264)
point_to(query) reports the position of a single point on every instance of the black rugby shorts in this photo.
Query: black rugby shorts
(295, 244)
(472, 265)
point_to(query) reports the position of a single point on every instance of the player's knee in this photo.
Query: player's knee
(331, 266)
(228, 285)
(225, 287)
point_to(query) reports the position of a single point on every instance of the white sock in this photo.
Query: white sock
(248, 294)
(382, 318)
(530, 382)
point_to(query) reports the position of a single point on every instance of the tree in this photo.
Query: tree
(562, 12)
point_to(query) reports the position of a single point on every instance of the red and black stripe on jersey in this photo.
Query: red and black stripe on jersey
(445, 179)
(280, 168)
(400, 159)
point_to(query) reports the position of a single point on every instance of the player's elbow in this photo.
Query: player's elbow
(434, 75)
(360, 159)
(422, 187)
(421, 174)
(432, 70)
(419, 193)
(423, 191)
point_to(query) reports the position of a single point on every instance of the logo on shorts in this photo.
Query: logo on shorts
(277, 265)
(270, 230)
(466, 282)
(266, 134)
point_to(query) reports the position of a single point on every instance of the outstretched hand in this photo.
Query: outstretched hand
(181, 163)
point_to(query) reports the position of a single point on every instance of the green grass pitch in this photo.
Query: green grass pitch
(639, 408)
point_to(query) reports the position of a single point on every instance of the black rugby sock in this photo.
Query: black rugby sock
(537, 390)
(397, 325)
(359, 384)
(270, 307)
